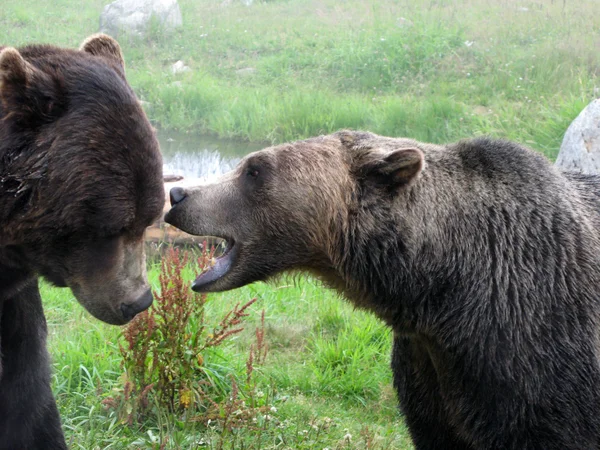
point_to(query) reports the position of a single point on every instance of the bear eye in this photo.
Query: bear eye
(252, 172)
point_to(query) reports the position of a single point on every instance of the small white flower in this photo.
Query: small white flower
(273, 409)
(469, 43)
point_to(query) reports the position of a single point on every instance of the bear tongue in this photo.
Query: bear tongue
(220, 267)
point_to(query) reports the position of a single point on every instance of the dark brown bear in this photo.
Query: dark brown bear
(482, 257)
(80, 180)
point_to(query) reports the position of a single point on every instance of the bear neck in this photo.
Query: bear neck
(22, 169)
(465, 243)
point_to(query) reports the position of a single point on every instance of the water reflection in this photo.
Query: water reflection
(200, 156)
(203, 164)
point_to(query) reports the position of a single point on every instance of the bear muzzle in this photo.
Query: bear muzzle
(130, 310)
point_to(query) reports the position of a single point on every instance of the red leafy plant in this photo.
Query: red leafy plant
(164, 351)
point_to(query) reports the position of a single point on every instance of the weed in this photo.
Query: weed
(166, 351)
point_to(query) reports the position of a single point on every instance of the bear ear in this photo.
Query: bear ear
(15, 72)
(395, 169)
(27, 94)
(105, 46)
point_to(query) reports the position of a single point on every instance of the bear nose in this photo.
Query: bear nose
(176, 195)
(130, 310)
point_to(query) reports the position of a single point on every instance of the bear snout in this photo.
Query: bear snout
(176, 195)
(130, 310)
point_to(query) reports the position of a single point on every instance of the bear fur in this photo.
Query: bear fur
(481, 256)
(28, 415)
(80, 180)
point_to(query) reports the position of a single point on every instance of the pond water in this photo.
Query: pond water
(201, 156)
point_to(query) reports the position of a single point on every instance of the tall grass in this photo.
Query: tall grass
(282, 70)
(326, 364)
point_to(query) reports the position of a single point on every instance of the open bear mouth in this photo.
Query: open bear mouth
(219, 266)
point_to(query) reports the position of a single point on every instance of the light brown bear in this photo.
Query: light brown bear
(482, 257)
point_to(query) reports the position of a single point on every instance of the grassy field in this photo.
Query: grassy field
(280, 70)
(326, 376)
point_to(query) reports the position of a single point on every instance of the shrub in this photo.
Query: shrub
(165, 350)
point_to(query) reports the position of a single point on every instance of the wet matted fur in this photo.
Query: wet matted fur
(482, 257)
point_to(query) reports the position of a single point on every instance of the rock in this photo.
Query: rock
(580, 149)
(133, 17)
(245, 71)
(243, 2)
(179, 67)
(403, 22)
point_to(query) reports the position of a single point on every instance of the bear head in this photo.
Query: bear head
(291, 207)
(80, 174)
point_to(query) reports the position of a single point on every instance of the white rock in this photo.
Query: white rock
(580, 149)
(403, 22)
(246, 71)
(179, 67)
(133, 17)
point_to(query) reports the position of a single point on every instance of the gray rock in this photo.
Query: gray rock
(133, 17)
(580, 149)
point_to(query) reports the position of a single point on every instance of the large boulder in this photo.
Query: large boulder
(133, 17)
(580, 149)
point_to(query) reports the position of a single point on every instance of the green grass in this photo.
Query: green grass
(280, 70)
(327, 374)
